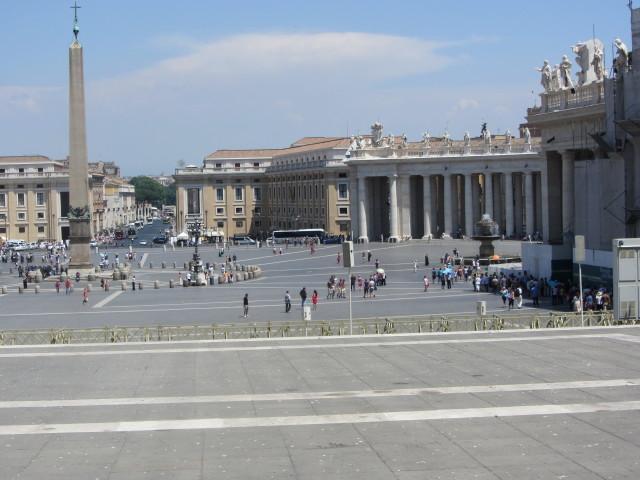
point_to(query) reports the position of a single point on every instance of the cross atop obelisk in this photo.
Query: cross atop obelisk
(76, 28)
(79, 203)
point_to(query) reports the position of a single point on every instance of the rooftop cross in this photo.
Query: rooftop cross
(76, 28)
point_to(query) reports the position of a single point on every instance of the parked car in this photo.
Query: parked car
(160, 240)
(332, 239)
(243, 240)
(142, 242)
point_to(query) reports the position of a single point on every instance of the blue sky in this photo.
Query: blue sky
(174, 80)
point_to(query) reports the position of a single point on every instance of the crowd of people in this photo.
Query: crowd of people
(514, 288)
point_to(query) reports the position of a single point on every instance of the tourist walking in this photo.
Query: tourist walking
(415, 266)
(287, 302)
(303, 296)
(245, 305)
(57, 286)
(133, 283)
(425, 282)
(85, 295)
(67, 286)
(314, 300)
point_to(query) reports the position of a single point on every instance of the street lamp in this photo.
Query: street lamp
(194, 229)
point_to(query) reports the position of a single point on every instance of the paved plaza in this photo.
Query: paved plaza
(552, 404)
(295, 268)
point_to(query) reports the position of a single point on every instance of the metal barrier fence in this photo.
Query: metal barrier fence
(379, 326)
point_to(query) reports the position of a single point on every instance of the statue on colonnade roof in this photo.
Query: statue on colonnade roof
(376, 134)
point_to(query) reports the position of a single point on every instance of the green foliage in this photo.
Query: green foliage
(170, 194)
(148, 190)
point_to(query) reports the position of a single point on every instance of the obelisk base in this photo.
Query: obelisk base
(80, 251)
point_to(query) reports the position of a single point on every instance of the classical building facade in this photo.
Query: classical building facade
(440, 188)
(224, 193)
(34, 198)
(239, 192)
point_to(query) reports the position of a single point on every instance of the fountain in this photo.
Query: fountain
(486, 231)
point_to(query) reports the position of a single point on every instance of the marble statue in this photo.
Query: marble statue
(545, 76)
(622, 56)
(353, 143)
(507, 137)
(426, 138)
(597, 64)
(486, 136)
(376, 134)
(527, 136)
(467, 139)
(565, 73)
(555, 79)
(445, 138)
(404, 141)
(359, 142)
(391, 140)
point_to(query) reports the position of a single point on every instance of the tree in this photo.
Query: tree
(148, 190)
(170, 194)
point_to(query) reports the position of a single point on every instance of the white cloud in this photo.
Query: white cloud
(274, 57)
(466, 104)
(23, 99)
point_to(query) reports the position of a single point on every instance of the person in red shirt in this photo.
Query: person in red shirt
(314, 299)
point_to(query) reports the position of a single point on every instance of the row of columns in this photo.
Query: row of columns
(400, 211)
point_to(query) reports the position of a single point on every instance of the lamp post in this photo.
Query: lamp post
(194, 229)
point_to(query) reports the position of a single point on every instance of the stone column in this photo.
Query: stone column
(405, 206)
(393, 208)
(80, 208)
(567, 196)
(448, 201)
(426, 205)
(488, 194)
(468, 206)
(530, 220)
(544, 202)
(363, 232)
(508, 204)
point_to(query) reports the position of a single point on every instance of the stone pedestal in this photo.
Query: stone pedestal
(79, 238)
(487, 249)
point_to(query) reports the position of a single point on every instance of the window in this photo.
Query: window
(239, 210)
(39, 185)
(257, 223)
(40, 215)
(237, 165)
(220, 224)
(20, 199)
(19, 186)
(3, 216)
(220, 194)
(239, 194)
(256, 164)
(343, 191)
(257, 194)
(218, 165)
(21, 170)
(64, 204)
(41, 229)
(3, 229)
(193, 200)
(342, 175)
(220, 211)
(3, 200)
(257, 211)
(39, 199)
(22, 229)
(239, 224)
(2, 170)
(343, 211)
(40, 170)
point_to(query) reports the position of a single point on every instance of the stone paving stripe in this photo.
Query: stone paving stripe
(106, 300)
(283, 397)
(294, 421)
(216, 349)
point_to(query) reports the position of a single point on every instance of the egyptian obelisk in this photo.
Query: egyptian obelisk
(79, 204)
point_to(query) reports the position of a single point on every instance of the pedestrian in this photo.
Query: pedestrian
(510, 298)
(303, 296)
(245, 305)
(368, 256)
(425, 282)
(85, 295)
(58, 286)
(24, 282)
(67, 286)
(338, 258)
(314, 300)
(415, 266)
(353, 282)
(504, 294)
(517, 294)
(133, 283)
(287, 302)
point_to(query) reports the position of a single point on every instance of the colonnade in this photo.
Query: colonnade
(400, 206)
